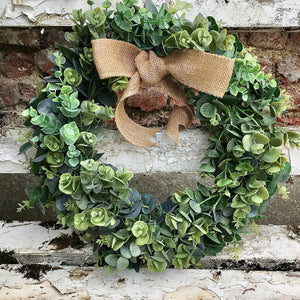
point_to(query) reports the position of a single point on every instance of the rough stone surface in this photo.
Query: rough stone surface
(12, 92)
(42, 60)
(12, 187)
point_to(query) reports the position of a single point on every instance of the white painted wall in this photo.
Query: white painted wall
(235, 13)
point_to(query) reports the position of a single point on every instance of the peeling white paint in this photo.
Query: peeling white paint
(30, 241)
(232, 13)
(272, 245)
(163, 157)
(95, 284)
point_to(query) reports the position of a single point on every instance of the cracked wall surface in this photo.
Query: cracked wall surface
(69, 273)
(233, 13)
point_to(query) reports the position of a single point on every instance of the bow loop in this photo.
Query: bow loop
(202, 71)
(150, 67)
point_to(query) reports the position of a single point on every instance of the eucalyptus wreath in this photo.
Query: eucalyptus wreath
(130, 230)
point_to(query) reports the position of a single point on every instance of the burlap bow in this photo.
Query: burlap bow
(202, 71)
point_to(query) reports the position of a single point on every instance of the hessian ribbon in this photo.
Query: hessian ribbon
(199, 70)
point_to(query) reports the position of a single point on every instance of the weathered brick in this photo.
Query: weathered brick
(292, 89)
(26, 91)
(148, 100)
(13, 93)
(54, 37)
(243, 36)
(17, 64)
(293, 121)
(289, 68)
(268, 65)
(20, 37)
(9, 93)
(42, 60)
(271, 40)
(295, 38)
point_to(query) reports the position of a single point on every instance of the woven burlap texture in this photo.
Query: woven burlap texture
(199, 70)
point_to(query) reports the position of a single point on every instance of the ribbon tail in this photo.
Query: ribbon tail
(131, 131)
(182, 114)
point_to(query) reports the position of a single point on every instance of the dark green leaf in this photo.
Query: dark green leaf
(24, 148)
(35, 195)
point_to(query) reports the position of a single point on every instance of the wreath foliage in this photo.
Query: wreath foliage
(130, 230)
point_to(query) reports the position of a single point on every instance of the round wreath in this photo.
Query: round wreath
(130, 230)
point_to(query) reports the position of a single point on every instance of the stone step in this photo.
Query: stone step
(79, 283)
(273, 248)
(159, 170)
(31, 268)
(256, 14)
(163, 157)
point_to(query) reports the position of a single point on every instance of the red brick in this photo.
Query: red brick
(9, 94)
(13, 93)
(292, 89)
(20, 37)
(17, 64)
(293, 121)
(290, 68)
(295, 38)
(148, 100)
(26, 91)
(42, 61)
(268, 65)
(270, 40)
(54, 37)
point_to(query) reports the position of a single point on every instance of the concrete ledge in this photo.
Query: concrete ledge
(274, 248)
(163, 157)
(233, 13)
(271, 259)
(160, 185)
(159, 170)
(94, 284)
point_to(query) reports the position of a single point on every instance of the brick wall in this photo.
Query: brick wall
(24, 59)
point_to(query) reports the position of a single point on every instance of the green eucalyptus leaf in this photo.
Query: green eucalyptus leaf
(224, 182)
(70, 133)
(276, 141)
(271, 155)
(135, 250)
(195, 206)
(207, 168)
(111, 260)
(24, 148)
(284, 175)
(207, 110)
(81, 221)
(125, 252)
(261, 138)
